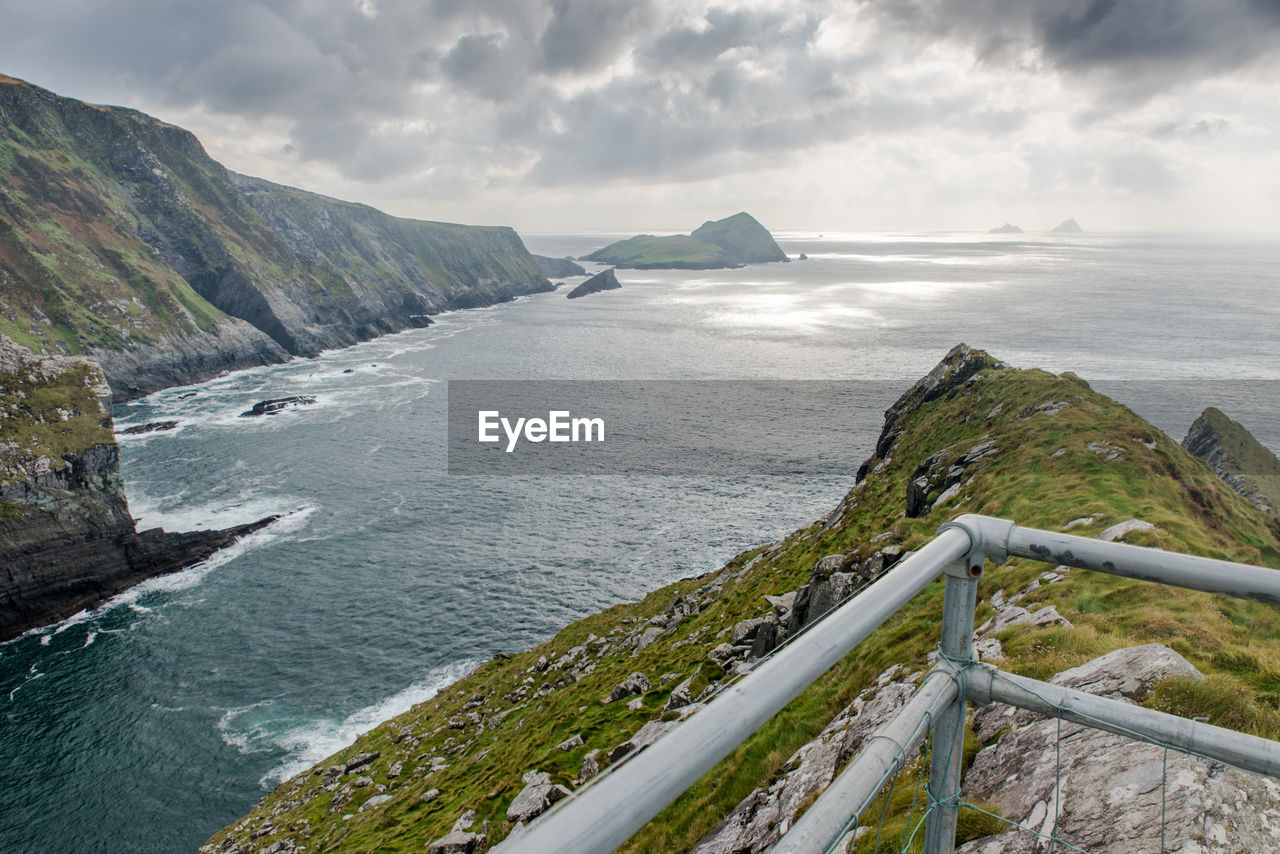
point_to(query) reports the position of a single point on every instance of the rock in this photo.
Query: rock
(430, 795)
(374, 802)
(360, 760)
(636, 683)
(606, 280)
(649, 635)
(782, 606)
(643, 737)
(681, 695)
(458, 842)
(536, 797)
(149, 427)
(465, 821)
(720, 653)
(1068, 226)
(1111, 793)
(570, 743)
(395, 770)
(635, 704)
(745, 631)
(803, 257)
(1126, 673)
(590, 766)
(279, 404)
(1005, 229)
(1117, 531)
(1235, 456)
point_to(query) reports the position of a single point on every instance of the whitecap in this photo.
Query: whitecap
(309, 741)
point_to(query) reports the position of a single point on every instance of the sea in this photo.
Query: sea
(152, 722)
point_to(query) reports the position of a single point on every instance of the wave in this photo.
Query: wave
(265, 726)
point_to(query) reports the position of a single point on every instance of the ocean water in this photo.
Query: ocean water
(155, 720)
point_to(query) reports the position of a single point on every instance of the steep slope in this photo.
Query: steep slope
(730, 242)
(67, 541)
(120, 238)
(972, 436)
(1236, 456)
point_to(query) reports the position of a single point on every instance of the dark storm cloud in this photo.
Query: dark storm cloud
(1139, 46)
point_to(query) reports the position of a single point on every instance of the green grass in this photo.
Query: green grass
(1236, 644)
(56, 418)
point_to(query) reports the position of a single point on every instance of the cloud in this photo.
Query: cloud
(467, 97)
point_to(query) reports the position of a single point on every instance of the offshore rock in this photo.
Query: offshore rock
(602, 281)
(271, 407)
(149, 427)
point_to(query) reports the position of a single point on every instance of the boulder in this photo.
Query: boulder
(537, 796)
(643, 737)
(636, 683)
(149, 427)
(458, 842)
(590, 767)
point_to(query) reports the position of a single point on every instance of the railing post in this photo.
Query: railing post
(958, 604)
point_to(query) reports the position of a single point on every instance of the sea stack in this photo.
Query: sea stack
(604, 281)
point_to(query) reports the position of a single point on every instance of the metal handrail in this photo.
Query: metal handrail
(605, 813)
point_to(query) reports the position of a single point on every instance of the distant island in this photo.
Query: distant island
(731, 242)
(1069, 226)
(1007, 228)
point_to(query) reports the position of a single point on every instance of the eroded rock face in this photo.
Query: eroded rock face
(1105, 792)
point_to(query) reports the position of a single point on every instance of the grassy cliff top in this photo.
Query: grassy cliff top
(1062, 454)
(50, 408)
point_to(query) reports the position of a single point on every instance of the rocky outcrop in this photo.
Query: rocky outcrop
(954, 375)
(279, 404)
(67, 541)
(1237, 457)
(1048, 778)
(602, 281)
(1068, 226)
(167, 268)
(537, 796)
(558, 268)
(1007, 228)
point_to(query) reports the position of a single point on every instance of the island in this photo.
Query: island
(1068, 226)
(734, 241)
(1007, 228)
(603, 281)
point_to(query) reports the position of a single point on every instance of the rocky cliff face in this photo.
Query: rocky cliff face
(494, 751)
(1237, 457)
(67, 541)
(120, 238)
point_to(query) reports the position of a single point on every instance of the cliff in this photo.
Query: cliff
(974, 435)
(67, 541)
(1236, 457)
(121, 239)
(731, 242)
(606, 280)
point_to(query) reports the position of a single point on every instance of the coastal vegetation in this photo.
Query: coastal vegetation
(1044, 450)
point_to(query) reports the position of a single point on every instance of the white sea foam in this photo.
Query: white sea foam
(254, 728)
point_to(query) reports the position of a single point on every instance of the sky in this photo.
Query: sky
(632, 115)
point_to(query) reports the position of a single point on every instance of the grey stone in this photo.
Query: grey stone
(458, 842)
(536, 797)
(1118, 530)
(643, 737)
(570, 743)
(590, 766)
(374, 802)
(636, 683)
(360, 760)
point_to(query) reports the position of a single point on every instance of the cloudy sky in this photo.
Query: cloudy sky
(656, 115)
